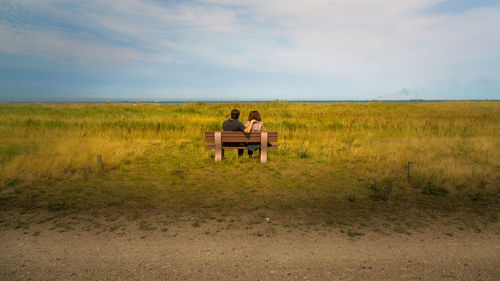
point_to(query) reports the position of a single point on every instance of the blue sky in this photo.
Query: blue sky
(249, 50)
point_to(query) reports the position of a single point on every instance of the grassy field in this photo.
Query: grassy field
(332, 158)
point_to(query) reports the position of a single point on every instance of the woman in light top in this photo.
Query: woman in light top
(254, 124)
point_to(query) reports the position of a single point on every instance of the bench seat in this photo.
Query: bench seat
(216, 139)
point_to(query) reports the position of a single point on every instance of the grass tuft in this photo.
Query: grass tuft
(381, 190)
(12, 181)
(351, 233)
(433, 189)
(57, 207)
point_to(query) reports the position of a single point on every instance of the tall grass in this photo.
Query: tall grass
(454, 145)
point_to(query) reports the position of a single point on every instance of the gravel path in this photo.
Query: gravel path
(239, 255)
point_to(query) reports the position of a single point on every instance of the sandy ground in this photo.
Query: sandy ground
(188, 253)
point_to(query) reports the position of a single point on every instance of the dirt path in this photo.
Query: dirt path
(190, 254)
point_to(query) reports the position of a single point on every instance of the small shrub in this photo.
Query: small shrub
(12, 150)
(31, 123)
(178, 172)
(477, 196)
(432, 189)
(352, 233)
(303, 154)
(482, 184)
(12, 182)
(335, 125)
(381, 190)
(56, 207)
(146, 226)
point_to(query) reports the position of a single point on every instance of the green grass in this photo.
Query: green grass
(351, 233)
(345, 160)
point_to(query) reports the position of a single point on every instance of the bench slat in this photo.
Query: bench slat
(231, 136)
(272, 146)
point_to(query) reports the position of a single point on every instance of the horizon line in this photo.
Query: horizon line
(182, 101)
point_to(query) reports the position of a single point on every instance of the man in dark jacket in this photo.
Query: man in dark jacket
(233, 124)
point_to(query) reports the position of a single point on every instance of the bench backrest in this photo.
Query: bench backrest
(235, 136)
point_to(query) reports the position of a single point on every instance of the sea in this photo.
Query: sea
(314, 101)
(180, 102)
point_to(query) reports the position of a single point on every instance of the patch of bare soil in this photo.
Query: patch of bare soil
(136, 250)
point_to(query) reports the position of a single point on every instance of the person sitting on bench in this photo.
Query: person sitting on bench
(254, 124)
(233, 124)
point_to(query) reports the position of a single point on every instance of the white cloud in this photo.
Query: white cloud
(344, 39)
(369, 37)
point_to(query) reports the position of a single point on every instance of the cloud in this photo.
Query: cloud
(380, 38)
(358, 40)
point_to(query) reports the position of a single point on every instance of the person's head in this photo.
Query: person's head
(235, 114)
(254, 115)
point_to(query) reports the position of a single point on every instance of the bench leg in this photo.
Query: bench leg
(218, 147)
(263, 147)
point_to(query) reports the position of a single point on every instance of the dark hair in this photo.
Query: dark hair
(254, 115)
(235, 114)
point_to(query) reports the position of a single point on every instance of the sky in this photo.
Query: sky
(55, 50)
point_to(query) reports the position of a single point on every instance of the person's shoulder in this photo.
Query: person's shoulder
(226, 125)
(228, 121)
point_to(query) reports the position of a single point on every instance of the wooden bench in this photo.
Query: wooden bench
(216, 139)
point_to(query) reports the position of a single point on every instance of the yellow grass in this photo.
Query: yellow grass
(324, 149)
